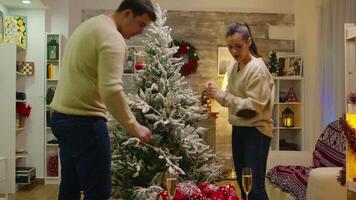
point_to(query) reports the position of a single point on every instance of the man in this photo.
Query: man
(90, 84)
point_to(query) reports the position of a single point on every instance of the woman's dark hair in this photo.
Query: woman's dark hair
(245, 31)
(139, 7)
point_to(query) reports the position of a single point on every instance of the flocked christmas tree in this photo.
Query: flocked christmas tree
(166, 105)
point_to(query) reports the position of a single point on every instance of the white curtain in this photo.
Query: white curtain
(334, 14)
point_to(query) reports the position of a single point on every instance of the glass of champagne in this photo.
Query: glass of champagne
(171, 184)
(247, 180)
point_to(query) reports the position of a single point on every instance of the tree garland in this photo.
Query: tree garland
(350, 133)
(189, 54)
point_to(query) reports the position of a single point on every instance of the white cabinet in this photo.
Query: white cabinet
(53, 55)
(285, 135)
(13, 137)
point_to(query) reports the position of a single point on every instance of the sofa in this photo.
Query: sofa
(301, 175)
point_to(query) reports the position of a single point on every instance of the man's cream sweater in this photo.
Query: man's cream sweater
(91, 73)
(251, 88)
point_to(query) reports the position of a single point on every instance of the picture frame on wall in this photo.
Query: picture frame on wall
(289, 64)
(15, 30)
(224, 60)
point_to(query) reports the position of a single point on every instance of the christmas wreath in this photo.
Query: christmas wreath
(190, 56)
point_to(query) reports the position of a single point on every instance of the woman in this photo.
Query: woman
(249, 97)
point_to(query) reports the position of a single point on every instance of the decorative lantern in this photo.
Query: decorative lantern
(53, 50)
(288, 118)
(130, 61)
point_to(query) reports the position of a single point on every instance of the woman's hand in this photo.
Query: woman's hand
(212, 89)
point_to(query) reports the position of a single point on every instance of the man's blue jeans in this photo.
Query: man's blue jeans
(250, 149)
(85, 156)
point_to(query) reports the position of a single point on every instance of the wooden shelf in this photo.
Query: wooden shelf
(290, 103)
(287, 78)
(52, 145)
(20, 74)
(290, 128)
(19, 48)
(20, 129)
(52, 80)
(22, 155)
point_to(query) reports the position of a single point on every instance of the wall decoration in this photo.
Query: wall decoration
(291, 97)
(15, 30)
(190, 57)
(28, 68)
(289, 64)
(224, 60)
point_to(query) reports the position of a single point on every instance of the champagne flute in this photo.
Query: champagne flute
(247, 180)
(171, 184)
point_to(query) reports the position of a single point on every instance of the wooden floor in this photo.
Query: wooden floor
(50, 192)
(37, 192)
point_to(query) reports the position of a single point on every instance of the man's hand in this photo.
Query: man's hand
(144, 134)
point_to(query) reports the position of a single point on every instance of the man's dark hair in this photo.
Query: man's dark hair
(139, 7)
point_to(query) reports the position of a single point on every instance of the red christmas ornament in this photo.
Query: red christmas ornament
(163, 195)
(233, 197)
(198, 196)
(224, 190)
(217, 195)
(180, 195)
(207, 191)
(202, 185)
(231, 189)
(139, 66)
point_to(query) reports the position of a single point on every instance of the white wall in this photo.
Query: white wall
(35, 87)
(3, 9)
(57, 16)
(307, 31)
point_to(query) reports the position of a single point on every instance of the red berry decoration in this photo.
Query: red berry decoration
(198, 196)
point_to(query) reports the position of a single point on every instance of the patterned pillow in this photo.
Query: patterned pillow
(330, 147)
